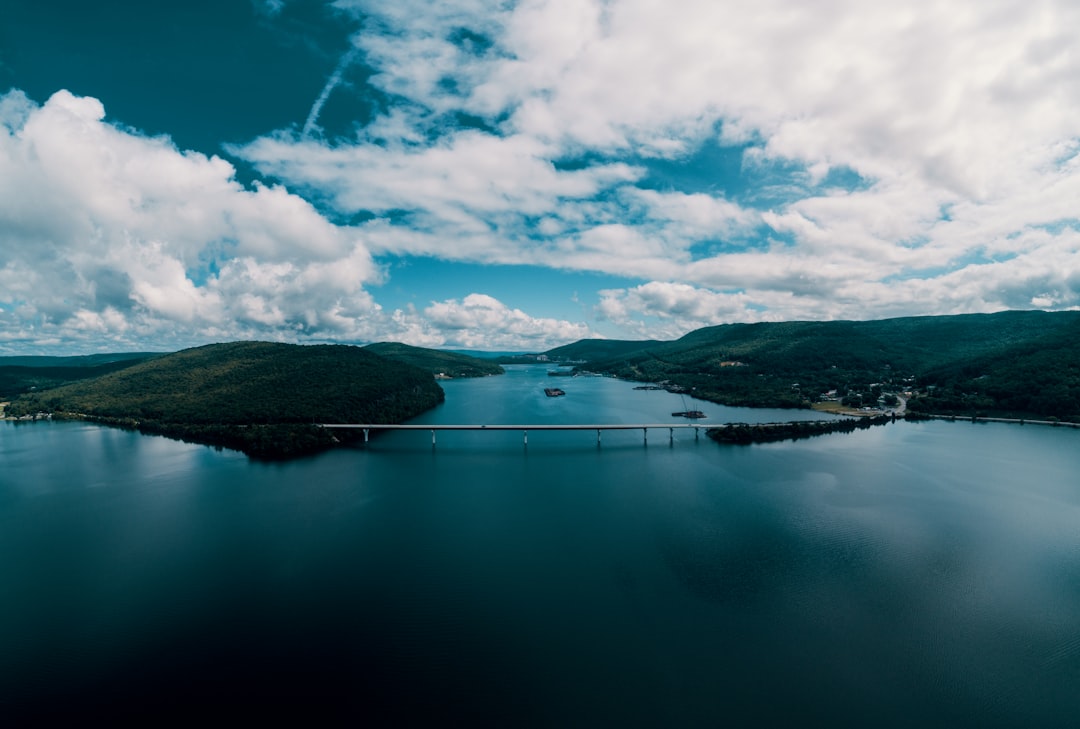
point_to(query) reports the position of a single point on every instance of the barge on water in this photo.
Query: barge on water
(553, 392)
(689, 414)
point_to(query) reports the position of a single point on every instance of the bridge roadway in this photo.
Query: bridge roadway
(643, 427)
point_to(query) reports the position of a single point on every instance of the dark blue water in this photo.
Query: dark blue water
(908, 574)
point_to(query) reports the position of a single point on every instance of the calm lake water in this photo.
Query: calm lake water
(910, 574)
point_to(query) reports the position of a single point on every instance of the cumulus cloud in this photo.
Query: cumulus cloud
(915, 158)
(480, 321)
(892, 149)
(106, 232)
(669, 310)
(110, 239)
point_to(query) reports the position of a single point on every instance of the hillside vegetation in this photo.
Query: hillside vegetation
(1021, 363)
(1040, 376)
(258, 397)
(435, 361)
(589, 350)
(23, 374)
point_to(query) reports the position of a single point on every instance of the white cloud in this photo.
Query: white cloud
(960, 121)
(912, 158)
(112, 240)
(480, 321)
(1046, 276)
(463, 176)
(697, 216)
(417, 46)
(108, 231)
(664, 310)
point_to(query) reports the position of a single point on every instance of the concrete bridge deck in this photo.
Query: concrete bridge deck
(526, 427)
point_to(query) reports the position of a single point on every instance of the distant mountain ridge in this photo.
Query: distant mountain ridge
(599, 349)
(25, 373)
(437, 362)
(82, 360)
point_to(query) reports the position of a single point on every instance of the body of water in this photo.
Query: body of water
(909, 574)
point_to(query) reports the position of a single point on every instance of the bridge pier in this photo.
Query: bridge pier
(368, 428)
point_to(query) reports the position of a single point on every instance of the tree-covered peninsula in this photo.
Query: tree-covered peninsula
(257, 397)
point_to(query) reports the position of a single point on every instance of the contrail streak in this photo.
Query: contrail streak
(333, 81)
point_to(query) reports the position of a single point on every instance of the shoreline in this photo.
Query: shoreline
(305, 442)
(836, 408)
(987, 419)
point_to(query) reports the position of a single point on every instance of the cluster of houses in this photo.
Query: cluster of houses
(35, 416)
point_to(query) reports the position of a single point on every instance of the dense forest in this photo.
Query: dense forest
(1036, 377)
(587, 350)
(24, 374)
(257, 397)
(1010, 363)
(437, 362)
(746, 433)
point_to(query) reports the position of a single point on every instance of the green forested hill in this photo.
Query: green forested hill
(22, 374)
(82, 360)
(1039, 376)
(258, 397)
(436, 361)
(1011, 361)
(591, 350)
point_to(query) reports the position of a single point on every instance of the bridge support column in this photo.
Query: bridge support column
(432, 438)
(671, 435)
(645, 436)
(365, 435)
(597, 437)
(525, 441)
(697, 430)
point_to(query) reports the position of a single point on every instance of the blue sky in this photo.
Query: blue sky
(518, 175)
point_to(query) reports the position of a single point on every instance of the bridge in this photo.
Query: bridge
(524, 428)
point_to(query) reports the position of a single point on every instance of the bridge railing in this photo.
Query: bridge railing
(525, 428)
